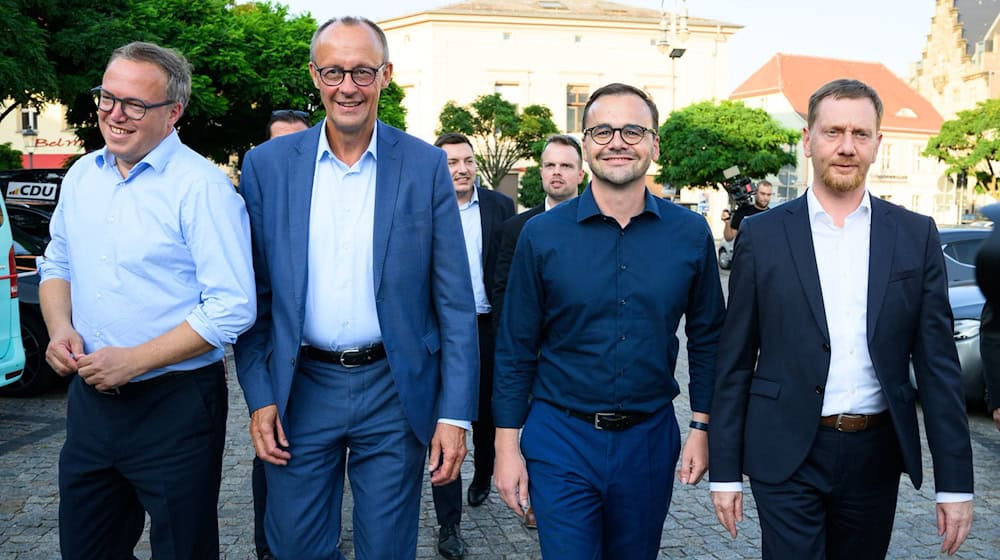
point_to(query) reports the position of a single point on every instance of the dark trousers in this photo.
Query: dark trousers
(841, 502)
(157, 448)
(259, 486)
(332, 409)
(448, 498)
(599, 495)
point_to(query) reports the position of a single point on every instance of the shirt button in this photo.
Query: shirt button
(111, 219)
(624, 267)
(819, 389)
(622, 302)
(622, 337)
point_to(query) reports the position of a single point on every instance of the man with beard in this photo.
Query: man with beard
(812, 396)
(596, 291)
(761, 200)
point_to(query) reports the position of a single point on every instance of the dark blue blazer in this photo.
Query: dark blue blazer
(775, 349)
(422, 289)
(494, 209)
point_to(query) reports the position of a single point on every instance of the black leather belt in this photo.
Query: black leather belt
(349, 357)
(611, 421)
(136, 387)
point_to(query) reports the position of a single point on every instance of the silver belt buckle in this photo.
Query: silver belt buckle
(345, 351)
(114, 392)
(842, 415)
(598, 416)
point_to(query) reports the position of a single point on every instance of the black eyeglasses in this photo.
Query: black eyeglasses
(133, 108)
(361, 75)
(631, 133)
(290, 113)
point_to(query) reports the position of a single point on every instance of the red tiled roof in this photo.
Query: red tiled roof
(798, 76)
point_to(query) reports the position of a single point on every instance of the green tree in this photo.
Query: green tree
(9, 157)
(698, 142)
(531, 193)
(501, 134)
(390, 106)
(971, 143)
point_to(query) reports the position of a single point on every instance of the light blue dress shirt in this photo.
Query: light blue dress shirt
(472, 229)
(169, 243)
(340, 283)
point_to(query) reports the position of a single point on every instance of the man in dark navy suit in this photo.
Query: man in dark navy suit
(831, 296)
(482, 211)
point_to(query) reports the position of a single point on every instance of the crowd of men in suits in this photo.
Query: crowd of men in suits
(376, 322)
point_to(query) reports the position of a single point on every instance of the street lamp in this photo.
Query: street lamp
(672, 42)
(30, 138)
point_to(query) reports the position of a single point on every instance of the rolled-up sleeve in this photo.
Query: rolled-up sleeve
(216, 226)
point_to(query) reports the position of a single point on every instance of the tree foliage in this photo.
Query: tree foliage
(531, 193)
(9, 157)
(390, 106)
(502, 135)
(971, 143)
(699, 142)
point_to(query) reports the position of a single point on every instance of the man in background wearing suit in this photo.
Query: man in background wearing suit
(830, 297)
(562, 173)
(365, 338)
(482, 211)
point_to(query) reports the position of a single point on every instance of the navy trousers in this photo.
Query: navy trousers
(841, 502)
(599, 495)
(333, 409)
(156, 447)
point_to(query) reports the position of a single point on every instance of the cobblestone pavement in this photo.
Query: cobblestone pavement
(32, 432)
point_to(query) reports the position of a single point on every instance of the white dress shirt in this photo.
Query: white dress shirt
(472, 229)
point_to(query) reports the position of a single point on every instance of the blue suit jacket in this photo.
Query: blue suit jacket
(774, 355)
(422, 289)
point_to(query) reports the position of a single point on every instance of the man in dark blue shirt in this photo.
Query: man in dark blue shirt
(596, 291)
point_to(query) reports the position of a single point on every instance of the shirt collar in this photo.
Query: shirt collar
(323, 150)
(474, 201)
(588, 206)
(156, 159)
(816, 211)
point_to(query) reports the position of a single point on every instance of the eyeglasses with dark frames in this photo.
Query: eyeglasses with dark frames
(631, 134)
(361, 75)
(133, 108)
(290, 113)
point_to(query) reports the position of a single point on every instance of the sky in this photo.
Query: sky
(892, 32)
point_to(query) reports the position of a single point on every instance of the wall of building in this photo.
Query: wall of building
(55, 141)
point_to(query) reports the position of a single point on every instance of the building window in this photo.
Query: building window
(510, 91)
(576, 100)
(886, 157)
(506, 36)
(29, 118)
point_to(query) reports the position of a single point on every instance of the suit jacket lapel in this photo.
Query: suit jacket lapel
(387, 178)
(880, 252)
(799, 234)
(301, 174)
(485, 216)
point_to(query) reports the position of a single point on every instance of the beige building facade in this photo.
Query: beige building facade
(54, 142)
(960, 65)
(552, 53)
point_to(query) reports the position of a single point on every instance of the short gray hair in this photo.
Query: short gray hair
(350, 20)
(173, 63)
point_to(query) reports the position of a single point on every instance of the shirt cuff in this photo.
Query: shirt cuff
(952, 497)
(725, 486)
(464, 424)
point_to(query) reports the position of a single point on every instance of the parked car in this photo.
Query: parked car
(960, 245)
(11, 351)
(30, 196)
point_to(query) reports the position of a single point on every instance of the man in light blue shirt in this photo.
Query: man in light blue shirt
(147, 278)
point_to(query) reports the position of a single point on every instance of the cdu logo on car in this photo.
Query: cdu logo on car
(31, 191)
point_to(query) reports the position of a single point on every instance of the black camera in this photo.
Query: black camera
(740, 188)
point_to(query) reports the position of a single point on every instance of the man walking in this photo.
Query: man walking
(482, 211)
(831, 298)
(596, 291)
(365, 338)
(139, 305)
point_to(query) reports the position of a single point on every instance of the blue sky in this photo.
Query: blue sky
(893, 32)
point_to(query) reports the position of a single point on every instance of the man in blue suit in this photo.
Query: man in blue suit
(366, 331)
(831, 296)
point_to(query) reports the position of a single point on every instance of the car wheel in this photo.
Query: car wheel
(725, 259)
(37, 376)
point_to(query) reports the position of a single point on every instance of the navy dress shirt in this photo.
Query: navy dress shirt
(592, 310)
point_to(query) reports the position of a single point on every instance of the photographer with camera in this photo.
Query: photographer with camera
(761, 200)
